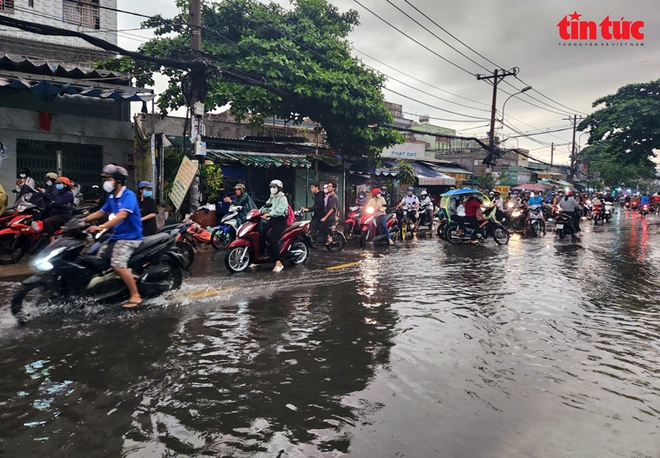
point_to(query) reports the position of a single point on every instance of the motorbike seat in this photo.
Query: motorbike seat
(168, 228)
(390, 216)
(152, 240)
(295, 225)
(99, 262)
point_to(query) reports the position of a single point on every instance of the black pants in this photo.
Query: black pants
(53, 223)
(474, 224)
(315, 228)
(325, 229)
(277, 225)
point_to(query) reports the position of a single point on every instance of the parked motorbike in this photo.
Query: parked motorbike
(338, 239)
(369, 228)
(352, 223)
(21, 236)
(564, 225)
(294, 244)
(535, 216)
(65, 271)
(225, 233)
(459, 233)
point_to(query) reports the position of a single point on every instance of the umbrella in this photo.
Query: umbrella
(529, 187)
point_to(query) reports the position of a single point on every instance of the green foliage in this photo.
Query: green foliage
(212, 175)
(613, 168)
(486, 182)
(405, 172)
(302, 56)
(629, 122)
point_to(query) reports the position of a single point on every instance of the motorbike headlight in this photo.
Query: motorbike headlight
(370, 210)
(510, 205)
(516, 214)
(44, 264)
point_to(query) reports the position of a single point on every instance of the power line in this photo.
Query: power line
(437, 108)
(543, 95)
(411, 38)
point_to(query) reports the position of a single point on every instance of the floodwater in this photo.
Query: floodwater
(541, 348)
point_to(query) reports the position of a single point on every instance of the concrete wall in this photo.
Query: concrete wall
(116, 137)
(49, 12)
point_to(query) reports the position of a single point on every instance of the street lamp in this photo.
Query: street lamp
(525, 89)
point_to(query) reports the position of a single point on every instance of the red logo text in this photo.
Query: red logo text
(572, 28)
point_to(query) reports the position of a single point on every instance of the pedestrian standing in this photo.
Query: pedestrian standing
(331, 212)
(148, 208)
(318, 209)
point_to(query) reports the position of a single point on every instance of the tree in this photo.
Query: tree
(611, 167)
(292, 64)
(629, 122)
(405, 173)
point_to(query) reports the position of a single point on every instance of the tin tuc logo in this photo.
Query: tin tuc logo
(572, 28)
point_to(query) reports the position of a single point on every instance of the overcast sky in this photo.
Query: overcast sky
(511, 33)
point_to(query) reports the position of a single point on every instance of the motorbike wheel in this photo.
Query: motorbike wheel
(36, 294)
(561, 234)
(536, 228)
(12, 249)
(440, 232)
(300, 250)
(175, 277)
(219, 239)
(363, 239)
(187, 252)
(348, 231)
(452, 234)
(338, 242)
(501, 236)
(237, 259)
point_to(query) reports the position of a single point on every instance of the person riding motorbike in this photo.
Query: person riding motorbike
(275, 211)
(318, 210)
(380, 206)
(58, 211)
(148, 208)
(49, 191)
(126, 236)
(644, 200)
(537, 199)
(412, 202)
(24, 178)
(634, 202)
(570, 206)
(243, 200)
(426, 204)
(473, 216)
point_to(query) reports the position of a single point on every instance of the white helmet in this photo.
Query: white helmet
(423, 194)
(277, 183)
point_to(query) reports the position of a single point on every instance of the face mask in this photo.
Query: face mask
(22, 175)
(410, 193)
(49, 183)
(147, 193)
(108, 186)
(325, 190)
(73, 184)
(59, 186)
(273, 191)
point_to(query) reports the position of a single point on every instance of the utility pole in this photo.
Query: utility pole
(574, 161)
(197, 83)
(497, 76)
(552, 153)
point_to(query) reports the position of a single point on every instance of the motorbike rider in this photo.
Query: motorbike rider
(644, 200)
(58, 211)
(473, 216)
(570, 206)
(536, 199)
(275, 210)
(412, 202)
(331, 212)
(126, 236)
(380, 206)
(148, 208)
(426, 204)
(634, 201)
(24, 178)
(75, 189)
(318, 209)
(243, 200)
(49, 191)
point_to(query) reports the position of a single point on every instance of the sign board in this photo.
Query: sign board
(184, 177)
(459, 177)
(524, 177)
(200, 148)
(405, 151)
(504, 190)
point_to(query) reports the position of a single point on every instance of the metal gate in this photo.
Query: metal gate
(72, 160)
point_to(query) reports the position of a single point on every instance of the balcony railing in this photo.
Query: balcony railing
(82, 13)
(7, 6)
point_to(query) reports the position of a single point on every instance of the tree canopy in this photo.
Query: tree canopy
(629, 122)
(291, 64)
(612, 171)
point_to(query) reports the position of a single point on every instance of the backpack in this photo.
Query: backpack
(290, 216)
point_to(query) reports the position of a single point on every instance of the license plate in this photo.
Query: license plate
(559, 226)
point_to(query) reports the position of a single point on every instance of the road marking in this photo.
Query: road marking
(209, 292)
(343, 266)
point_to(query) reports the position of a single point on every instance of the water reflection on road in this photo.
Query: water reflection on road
(537, 349)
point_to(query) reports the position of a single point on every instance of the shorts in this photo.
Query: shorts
(122, 250)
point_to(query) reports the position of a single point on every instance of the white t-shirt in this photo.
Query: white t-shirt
(410, 200)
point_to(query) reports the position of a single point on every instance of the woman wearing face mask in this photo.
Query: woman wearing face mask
(75, 189)
(276, 209)
(148, 208)
(23, 179)
(60, 207)
(49, 191)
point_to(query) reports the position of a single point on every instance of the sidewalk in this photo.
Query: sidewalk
(16, 272)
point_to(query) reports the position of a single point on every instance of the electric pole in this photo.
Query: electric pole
(574, 161)
(552, 153)
(497, 76)
(197, 83)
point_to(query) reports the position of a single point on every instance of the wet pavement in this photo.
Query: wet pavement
(541, 348)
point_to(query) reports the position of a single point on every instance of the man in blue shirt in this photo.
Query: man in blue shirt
(127, 224)
(536, 199)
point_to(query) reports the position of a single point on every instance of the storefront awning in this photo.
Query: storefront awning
(256, 159)
(430, 177)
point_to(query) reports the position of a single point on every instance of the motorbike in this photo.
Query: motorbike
(634, 206)
(644, 209)
(352, 223)
(21, 235)
(459, 233)
(516, 218)
(406, 224)
(369, 228)
(535, 215)
(608, 212)
(65, 271)
(587, 209)
(338, 238)
(426, 215)
(294, 244)
(597, 214)
(225, 233)
(564, 225)
(185, 241)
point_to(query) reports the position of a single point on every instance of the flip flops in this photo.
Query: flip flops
(130, 304)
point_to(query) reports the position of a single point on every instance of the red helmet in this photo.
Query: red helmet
(569, 193)
(375, 191)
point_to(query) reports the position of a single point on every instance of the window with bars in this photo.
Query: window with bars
(7, 6)
(85, 13)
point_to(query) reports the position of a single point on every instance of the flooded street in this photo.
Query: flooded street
(541, 348)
